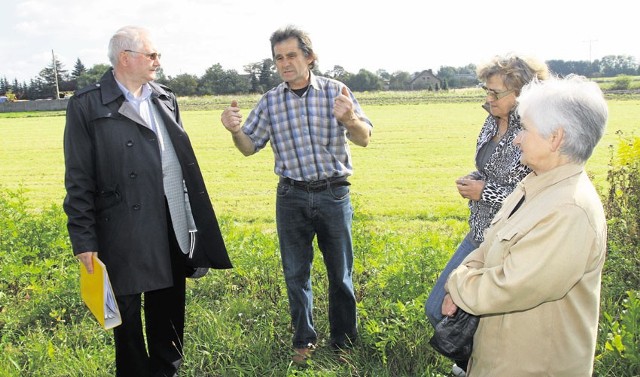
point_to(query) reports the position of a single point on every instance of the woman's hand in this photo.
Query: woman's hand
(449, 308)
(470, 188)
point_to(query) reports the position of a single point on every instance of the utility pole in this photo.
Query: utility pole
(590, 42)
(55, 74)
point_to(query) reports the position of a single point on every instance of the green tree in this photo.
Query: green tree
(218, 81)
(564, 68)
(269, 77)
(613, 65)
(4, 85)
(49, 80)
(253, 70)
(364, 81)
(400, 80)
(338, 73)
(210, 80)
(184, 84)
(161, 77)
(19, 90)
(263, 75)
(458, 77)
(92, 75)
(383, 74)
(36, 89)
(78, 69)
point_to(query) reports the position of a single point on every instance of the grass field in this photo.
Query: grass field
(409, 219)
(408, 170)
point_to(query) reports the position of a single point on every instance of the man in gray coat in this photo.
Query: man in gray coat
(136, 198)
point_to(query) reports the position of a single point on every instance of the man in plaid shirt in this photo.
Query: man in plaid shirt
(309, 120)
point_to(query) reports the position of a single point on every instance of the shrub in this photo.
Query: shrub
(618, 352)
(621, 82)
(622, 206)
(621, 356)
(38, 275)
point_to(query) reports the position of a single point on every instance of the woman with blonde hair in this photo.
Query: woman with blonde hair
(497, 161)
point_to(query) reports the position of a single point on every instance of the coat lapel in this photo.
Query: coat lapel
(127, 110)
(111, 93)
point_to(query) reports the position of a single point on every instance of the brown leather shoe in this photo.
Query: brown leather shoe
(301, 355)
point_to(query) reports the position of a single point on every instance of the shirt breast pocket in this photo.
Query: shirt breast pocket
(507, 238)
(507, 234)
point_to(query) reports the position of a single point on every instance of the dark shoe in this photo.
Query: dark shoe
(303, 354)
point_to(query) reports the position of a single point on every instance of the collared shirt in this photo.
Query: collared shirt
(308, 142)
(141, 104)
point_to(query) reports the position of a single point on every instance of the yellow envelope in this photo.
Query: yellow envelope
(97, 294)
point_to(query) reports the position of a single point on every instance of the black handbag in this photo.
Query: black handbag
(453, 336)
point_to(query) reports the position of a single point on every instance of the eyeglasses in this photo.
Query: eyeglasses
(494, 96)
(149, 55)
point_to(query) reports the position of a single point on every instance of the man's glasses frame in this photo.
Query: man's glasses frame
(496, 95)
(149, 55)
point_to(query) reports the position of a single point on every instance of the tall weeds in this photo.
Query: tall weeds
(619, 335)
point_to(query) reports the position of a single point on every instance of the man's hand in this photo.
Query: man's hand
(86, 258)
(232, 121)
(231, 118)
(343, 107)
(358, 131)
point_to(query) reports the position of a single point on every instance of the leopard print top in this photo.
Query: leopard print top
(501, 174)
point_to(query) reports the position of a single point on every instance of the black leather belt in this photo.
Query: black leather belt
(316, 186)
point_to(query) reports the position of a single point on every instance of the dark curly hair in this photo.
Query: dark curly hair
(304, 42)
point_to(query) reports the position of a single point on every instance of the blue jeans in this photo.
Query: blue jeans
(433, 306)
(327, 215)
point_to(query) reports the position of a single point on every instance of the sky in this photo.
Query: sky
(399, 35)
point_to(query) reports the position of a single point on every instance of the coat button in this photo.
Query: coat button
(133, 175)
(129, 143)
(136, 207)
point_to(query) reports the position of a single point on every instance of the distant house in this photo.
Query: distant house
(425, 80)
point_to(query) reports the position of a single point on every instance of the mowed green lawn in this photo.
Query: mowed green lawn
(406, 172)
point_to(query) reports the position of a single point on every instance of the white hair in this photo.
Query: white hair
(126, 38)
(574, 104)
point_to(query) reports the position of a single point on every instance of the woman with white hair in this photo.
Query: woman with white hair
(535, 280)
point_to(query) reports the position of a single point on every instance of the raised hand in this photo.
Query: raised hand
(231, 118)
(343, 107)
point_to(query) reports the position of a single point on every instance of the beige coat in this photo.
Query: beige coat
(535, 280)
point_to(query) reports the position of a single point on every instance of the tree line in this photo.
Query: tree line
(261, 76)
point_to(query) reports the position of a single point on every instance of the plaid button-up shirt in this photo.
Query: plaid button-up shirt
(308, 142)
